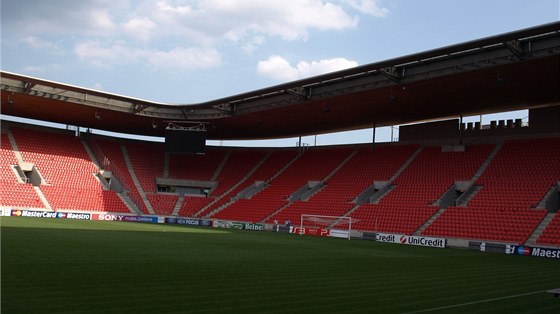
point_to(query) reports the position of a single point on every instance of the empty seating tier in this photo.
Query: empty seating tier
(516, 180)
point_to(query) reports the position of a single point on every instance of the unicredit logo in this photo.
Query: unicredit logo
(403, 239)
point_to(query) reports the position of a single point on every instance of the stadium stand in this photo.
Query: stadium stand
(163, 204)
(12, 192)
(271, 166)
(147, 160)
(551, 235)
(504, 208)
(365, 167)
(313, 165)
(418, 187)
(512, 185)
(195, 167)
(67, 170)
(110, 153)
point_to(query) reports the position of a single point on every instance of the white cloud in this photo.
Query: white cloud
(369, 7)
(184, 58)
(185, 33)
(211, 21)
(253, 44)
(278, 68)
(45, 45)
(120, 54)
(141, 28)
(55, 17)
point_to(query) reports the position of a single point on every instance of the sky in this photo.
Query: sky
(187, 51)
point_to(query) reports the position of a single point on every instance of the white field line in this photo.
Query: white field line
(475, 302)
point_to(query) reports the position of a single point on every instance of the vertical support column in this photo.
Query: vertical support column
(461, 129)
(373, 136)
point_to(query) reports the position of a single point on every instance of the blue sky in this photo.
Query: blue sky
(186, 51)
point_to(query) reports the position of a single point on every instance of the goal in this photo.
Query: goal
(327, 226)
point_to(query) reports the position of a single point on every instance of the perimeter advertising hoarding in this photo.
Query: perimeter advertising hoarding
(311, 231)
(227, 224)
(47, 214)
(237, 225)
(189, 222)
(487, 247)
(533, 251)
(113, 217)
(410, 240)
(254, 227)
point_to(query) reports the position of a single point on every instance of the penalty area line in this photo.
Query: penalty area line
(475, 302)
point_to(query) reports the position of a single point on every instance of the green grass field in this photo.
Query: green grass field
(71, 266)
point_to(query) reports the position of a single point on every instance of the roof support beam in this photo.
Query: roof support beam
(515, 47)
(228, 109)
(136, 108)
(27, 86)
(391, 73)
(300, 93)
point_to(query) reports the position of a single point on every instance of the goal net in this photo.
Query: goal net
(327, 226)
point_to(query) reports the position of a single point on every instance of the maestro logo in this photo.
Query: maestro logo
(522, 250)
(403, 239)
(61, 215)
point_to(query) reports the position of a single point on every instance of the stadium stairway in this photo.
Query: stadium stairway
(278, 163)
(487, 161)
(135, 180)
(15, 148)
(540, 229)
(110, 153)
(43, 198)
(305, 201)
(178, 205)
(551, 234)
(393, 177)
(221, 200)
(514, 183)
(91, 155)
(220, 166)
(405, 165)
(477, 174)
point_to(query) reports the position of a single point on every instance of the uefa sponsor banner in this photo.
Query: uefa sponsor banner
(410, 240)
(146, 219)
(227, 224)
(311, 231)
(533, 251)
(113, 217)
(49, 214)
(206, 223)
(80, 216)
(254, 227)
(182, 221)
(33, 213)
(189, 222)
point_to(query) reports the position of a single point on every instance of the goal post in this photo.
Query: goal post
(334, 226)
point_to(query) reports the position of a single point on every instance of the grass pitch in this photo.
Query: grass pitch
(72, 266)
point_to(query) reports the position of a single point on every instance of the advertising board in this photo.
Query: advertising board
(533, 251)
(254, 227)
(114, 217)
(410, 240)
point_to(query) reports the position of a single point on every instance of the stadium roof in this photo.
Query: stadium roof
(511, 71)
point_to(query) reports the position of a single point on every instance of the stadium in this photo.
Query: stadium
(450, 217)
